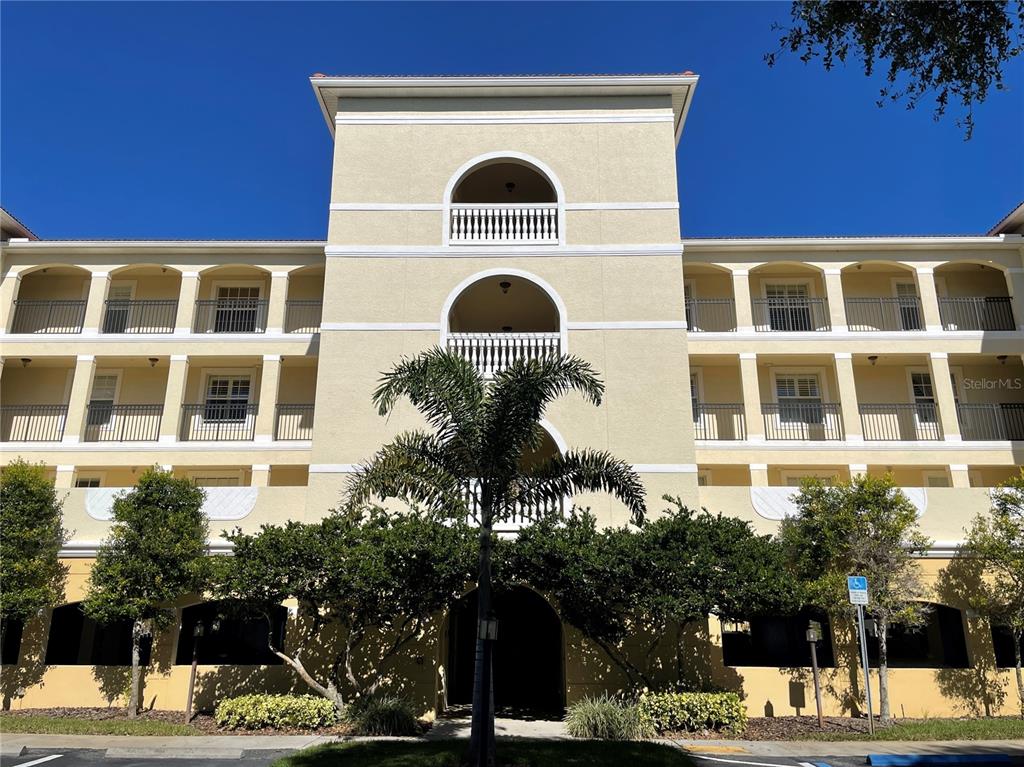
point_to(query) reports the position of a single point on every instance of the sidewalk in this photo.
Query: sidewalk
(817, 748)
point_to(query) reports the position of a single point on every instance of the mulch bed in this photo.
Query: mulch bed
(204, 724)
(783, 728)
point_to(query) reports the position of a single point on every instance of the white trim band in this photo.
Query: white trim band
(342, 118)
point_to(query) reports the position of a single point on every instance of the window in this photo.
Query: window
(936, 479)
(924, 397)
(1002, 642)
(229, 638)
(217, 480)
(939, 643)
(788, 307)
(77, 640)
(906, 295)
(799, 399)
(237, 309)
(87, 482)
(102, 400)
(119, 297)
(12, 630)
(695, 397)
(227, 398)
(776, 641)
(796, 478)
(703, 478)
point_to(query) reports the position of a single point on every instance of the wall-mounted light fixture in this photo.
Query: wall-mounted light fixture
(510, 186)
(1001, 358)
(504, 285)
(26, 361)
(873, 359)
(153, 361)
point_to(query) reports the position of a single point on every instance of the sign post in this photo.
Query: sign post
(857, 585)
(813, 635)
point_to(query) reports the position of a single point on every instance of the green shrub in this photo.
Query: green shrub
(255, 712)
(606, 718)
(382, 715)
(693, 711)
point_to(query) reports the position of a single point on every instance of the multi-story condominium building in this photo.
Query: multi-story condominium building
(506, 217)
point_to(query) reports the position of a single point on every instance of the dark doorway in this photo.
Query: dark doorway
(527, 655)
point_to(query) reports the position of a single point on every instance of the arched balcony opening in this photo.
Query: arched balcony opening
(51, 299)
(141, 299)
(789, 298)
(504, 199)
(501, 317)
(710, 304)
(305, 301)
(881, 296)
(973, 296)
(232, 299)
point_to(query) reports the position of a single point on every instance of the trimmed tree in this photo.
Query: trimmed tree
(997, 539)
(156, 552)
(31, 536)
(380, 578)
(472, 460)
(864, 526)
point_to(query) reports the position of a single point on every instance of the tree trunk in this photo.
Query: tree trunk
(882, 625)
(1020, 677)
(481, 740)
(134, 691)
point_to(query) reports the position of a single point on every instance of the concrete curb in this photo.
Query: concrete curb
(824, 748)
(178, 753)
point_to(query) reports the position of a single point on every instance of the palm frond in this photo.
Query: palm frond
(584, 471)
(414, 468)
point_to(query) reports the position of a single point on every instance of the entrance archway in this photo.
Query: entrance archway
(528, 670)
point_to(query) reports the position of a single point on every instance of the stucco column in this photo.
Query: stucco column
(260, 475)
(836, 301)
(277, 302)
(759, 475)
(929, 298)
(1015, 286)
(848, 404)
(857, 469)
(269, 379)
(751, 397)
(741, 297)
(94, 304)
(81, 385)
(958, 475)
(174, 394)
(8, 295)
(187, 297)
(945, 398)
(65, 477)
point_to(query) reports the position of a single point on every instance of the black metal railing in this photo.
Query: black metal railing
(218, 422)
(122, 423)
(32, 423)
(150, 316)
(803, 420)
(303, 316)
(976, 313)
(908, 422)
(789, 315)
(871, 314)
(710, 315)
(293, 422)
(231, 315)
(32, 316)
(993, 421)
(719, 421)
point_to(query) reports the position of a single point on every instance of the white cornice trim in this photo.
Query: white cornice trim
(622, 205)
(639, 468)
(498, 251)
(155, 447)
(125, 338)
(297, 246)
(865, 446)
(431, 326)
(628, 325)
(883, 335)
(535, 118)
(437, 206)
(848, 243)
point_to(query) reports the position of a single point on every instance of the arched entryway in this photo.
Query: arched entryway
(528, 655)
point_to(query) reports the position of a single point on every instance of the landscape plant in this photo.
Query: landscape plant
(470, 462)
(156, 552)
(862, 526)
(387, 715)
(258, 712)
(693, 711)
(607, 718)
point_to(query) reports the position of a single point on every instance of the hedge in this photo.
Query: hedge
(256, 712)
(694, 711)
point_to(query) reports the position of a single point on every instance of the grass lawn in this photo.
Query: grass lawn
(54, 725)
(511, 753)
(1003, 728)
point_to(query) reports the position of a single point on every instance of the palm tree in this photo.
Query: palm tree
(472, 459)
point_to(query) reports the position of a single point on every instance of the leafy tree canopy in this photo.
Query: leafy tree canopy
(957, 50)
(31, 536)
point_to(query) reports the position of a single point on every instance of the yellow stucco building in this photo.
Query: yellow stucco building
(507, 217)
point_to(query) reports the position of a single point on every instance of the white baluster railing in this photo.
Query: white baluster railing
(498, 224)
(520, 515)
(493, 352)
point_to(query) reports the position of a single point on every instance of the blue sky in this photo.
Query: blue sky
(197, 119)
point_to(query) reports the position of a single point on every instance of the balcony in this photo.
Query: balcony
(122, 423)
(503, 224)
(719, 421)
(491, 353)
(791, 315)
(884, 314)
(218, 422)
(32, 423)
(908, 422)
(710, 315)
(303, 315)
(231, 315)
(43, 316)
(132, 317)
(293, 422)
(522, 513)
(803, 421)
(991, 422)
(976, 313)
